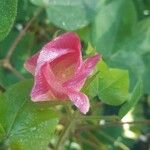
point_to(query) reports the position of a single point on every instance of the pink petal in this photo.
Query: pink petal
(80, 100)
(64, 44)
(53, 82)
(30, 64)
(47, 86)
(67, 40)
(41, 90)
(65, 67)
(83, 72)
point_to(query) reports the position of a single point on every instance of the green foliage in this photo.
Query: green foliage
(122, 39)
(110, 85)
(68, 14)
(134, 98)
(113, 23)
(22, 52)
(134, 53)
(24, 124)
(117, 29)
(8, 9)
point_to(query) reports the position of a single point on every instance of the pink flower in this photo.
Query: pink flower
(59, 71)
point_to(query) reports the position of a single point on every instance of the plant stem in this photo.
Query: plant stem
(16, 73)
(2, 88)
(6, 61)
(113, 140)
(82, 140)
(108, 118)
(66, 132)
(20, 36)
(93, 138)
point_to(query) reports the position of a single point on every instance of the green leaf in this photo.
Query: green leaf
(134, 98)
(68, 14)
(135, 53)
(8, 9)
(27, 125)
(111, 85)
(123, 42)
(113, 23)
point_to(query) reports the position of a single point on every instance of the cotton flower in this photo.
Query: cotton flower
(60, 72)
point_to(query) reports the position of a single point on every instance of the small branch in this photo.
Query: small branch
(107, 136)
(16, 73)
(110, 120)
(66, 132)
(2, 88)
(6, 61)
(20, 36)
(114, 141)
(6, 64)
(146, 122)
(93, 138)
(82, 140)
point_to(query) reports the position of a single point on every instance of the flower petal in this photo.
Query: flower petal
(30, 64)
(41, 90)
(64, 44)
(67, 40)
(83, 72)
(80, 100)
(53, 82)
(65, 67)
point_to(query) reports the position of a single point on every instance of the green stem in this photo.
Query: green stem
(107, 118)
(21, 35)
(2, 88)
(82, 140)
(66, 132)
(114, 141)
(94, 139)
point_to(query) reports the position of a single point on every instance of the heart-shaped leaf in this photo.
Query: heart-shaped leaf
(110, 85)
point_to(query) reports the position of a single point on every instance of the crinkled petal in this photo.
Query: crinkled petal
(67, 40)
(83, 72)
(64, 44)
(41, 90)
(53, 82)
(80, 100)
(31, 63)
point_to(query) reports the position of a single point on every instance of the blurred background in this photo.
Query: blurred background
(117, 29)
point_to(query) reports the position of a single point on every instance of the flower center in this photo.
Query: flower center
(64, 67)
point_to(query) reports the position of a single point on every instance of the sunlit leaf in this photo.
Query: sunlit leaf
(26, 124)
(111, 85)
